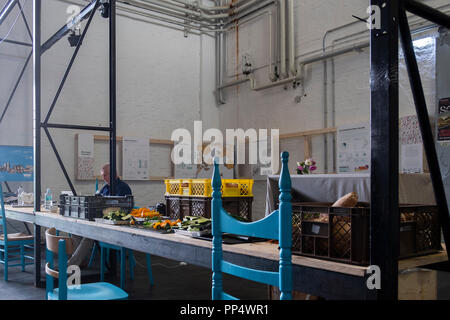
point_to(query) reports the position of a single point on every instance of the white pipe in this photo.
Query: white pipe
(291, 36)
(187, 11)
(272, 75)
(282, 8)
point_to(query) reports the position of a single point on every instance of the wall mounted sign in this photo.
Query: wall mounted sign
(16, 163)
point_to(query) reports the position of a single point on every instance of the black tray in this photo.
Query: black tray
(233, 239)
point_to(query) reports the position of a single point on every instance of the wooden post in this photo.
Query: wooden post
(285, 232)
(216, 206)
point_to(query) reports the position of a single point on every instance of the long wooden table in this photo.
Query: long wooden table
(327, 279)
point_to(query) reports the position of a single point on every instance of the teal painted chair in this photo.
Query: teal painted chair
(63, 247)
(122, 253)
(15, 246)
(277, 226)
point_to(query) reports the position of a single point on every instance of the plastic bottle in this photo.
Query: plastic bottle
(20, 196)
(48, 202)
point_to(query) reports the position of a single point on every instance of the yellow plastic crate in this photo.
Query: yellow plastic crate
(186, 187)
(237, 187)
(203, 188)
(173, 187)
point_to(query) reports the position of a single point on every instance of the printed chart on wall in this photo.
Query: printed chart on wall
(411, 147)
(85, 168)
(136, 159)
(16, 163)
(353, 148)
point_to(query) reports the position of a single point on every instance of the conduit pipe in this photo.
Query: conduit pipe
(186, 11)
(291, 37)
(282, 38)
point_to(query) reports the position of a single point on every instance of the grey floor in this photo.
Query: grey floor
(173, 281)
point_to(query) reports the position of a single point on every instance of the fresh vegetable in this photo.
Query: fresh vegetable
(145, 213)
(191, 223)
(117, 215)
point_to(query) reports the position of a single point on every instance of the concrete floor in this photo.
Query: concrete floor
(173, 281)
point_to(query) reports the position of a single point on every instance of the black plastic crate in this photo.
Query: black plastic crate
(125, 203)
(91, 207)
(178, 207)
(342, 234)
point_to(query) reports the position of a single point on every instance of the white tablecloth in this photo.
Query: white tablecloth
(413, 188)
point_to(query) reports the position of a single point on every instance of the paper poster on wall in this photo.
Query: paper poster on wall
(85, 166)
(16, 163)
(411, 148)
(353, 148)
(136, 159)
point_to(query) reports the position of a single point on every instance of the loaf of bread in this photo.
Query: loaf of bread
(348, 201)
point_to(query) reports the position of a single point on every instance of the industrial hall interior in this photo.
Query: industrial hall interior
(224, 150)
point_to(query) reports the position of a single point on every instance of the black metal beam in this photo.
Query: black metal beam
(61, 164)
(6, 10)
(112, 95)
(73, 127)
(84, 14)
(37, 134)
(425, 126)
(384, 218)
(69, 67)
(16, 42)
(25, 21)
(427, 12)
(16, 86)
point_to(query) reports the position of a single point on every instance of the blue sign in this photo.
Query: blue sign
(16, 163)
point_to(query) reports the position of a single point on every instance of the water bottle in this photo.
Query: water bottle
(20, 196)
(48, 199)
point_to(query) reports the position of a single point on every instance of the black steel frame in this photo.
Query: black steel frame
(384, 229)
(38, 49)
(7, 8)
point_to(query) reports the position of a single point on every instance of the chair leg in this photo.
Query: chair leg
(6, 263)
(149, 269)
(123, 267)
(93, 254)
(22, 257)
(132, 263)
(102, 264)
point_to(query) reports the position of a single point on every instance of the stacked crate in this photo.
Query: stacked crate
(192, 197)
(91, 207)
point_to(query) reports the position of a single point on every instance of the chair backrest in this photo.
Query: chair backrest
(277, 226)
(3, 217)
(63, 247)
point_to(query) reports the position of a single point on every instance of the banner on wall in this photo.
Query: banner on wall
(353, 148)
(16, 163)
(85, 167)
(136, 159)
(443, 128)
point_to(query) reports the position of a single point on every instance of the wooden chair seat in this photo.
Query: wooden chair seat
(17, 237)
(91, 291)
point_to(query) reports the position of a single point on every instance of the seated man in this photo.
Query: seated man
(82, 253)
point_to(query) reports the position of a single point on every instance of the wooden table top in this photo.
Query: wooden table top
(263, 250)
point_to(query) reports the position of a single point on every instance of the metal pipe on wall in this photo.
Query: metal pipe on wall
(282, 25)
(291, 36)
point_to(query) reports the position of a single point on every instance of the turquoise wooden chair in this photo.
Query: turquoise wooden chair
(14, 246)
(104, 253)
(277, 226)
(63, 247)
